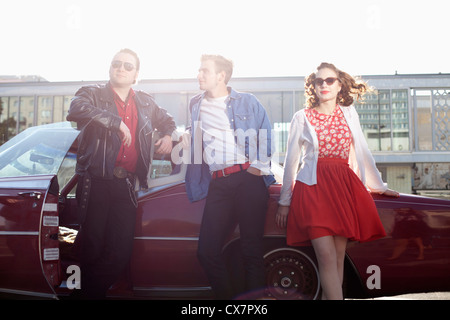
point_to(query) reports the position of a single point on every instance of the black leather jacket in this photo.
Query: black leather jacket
(94, 110)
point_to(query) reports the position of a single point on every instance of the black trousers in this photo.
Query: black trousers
(106, 236)
(238, 198)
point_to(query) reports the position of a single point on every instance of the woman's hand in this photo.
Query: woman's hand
(282, 216)
(391, 193)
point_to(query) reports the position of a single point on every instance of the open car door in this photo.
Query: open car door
(29, 198)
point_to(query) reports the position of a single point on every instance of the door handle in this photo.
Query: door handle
(31, 194)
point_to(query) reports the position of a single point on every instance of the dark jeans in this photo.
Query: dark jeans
(240, 197)
(106, 236)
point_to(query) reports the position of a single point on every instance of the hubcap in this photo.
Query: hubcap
(291, 274)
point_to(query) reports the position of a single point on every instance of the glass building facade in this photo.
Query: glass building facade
(20, 112)
(405, 119)
(384, 118)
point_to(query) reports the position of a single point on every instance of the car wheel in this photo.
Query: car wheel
(291, 275)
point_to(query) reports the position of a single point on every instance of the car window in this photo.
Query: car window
(161, 164)
(163, 171)
(163, 168)
(36, 151)
(67, 171)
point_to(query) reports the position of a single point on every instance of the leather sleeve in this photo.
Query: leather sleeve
(85, 108)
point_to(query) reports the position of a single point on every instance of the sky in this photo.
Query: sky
(75, 40)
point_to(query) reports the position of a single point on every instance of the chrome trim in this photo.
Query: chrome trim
(29, 293)
(196, 238)
(414, 203)
(51, 207)
(41, 225)
(178, 289)
(36, 182)
(19, 233)
(167, 238)
(176, 292)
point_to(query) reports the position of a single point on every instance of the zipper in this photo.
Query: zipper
(147, 166)
(104, 152)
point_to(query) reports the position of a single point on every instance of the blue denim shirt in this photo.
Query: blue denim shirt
(245, 112)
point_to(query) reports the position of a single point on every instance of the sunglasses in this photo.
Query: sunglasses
(320, 81)
(126, 65)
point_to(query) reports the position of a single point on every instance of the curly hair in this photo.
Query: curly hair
(350, 87)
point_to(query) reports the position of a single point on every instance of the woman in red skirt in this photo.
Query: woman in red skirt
(327, 201)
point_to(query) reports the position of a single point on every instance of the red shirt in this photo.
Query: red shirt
(128, 155)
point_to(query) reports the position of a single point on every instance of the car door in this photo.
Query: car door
(29, 221)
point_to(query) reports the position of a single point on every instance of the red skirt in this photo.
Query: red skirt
(338, 205)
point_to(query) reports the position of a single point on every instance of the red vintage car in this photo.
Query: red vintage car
(38, 226)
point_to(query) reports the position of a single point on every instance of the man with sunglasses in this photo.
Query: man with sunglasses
(114, 148)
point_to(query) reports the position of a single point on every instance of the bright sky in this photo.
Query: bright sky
(71, 40)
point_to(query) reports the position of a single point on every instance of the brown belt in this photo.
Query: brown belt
(227, 171)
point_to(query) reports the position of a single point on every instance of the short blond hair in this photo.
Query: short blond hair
(221, 63)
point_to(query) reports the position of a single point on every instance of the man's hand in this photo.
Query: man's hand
(185, 140)
(125, 134)
(254, 171)
(164, 145)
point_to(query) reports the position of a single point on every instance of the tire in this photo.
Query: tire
(291, 275)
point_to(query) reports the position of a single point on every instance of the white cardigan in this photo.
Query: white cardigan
(303, 144)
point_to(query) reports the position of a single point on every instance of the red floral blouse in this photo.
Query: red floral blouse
(333, 133)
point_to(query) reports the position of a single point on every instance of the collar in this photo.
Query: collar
(106, 93)
(233, 94)
(117, 98)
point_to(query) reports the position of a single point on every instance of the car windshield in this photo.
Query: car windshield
(37, 150)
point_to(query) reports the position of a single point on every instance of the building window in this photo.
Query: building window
(432, 118)
(280, 107)
(384, 120)
(45, 110)
(400, 121)
(26, 113)
(8, 118)
(177, 105)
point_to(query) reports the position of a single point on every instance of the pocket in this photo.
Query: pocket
(257, 184)
(253, 175)
(245, 121)
(244, 117)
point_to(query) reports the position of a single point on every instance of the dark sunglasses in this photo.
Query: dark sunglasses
(320, 81)
(117, 64)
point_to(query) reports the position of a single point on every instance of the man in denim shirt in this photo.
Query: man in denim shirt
(230, 166)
